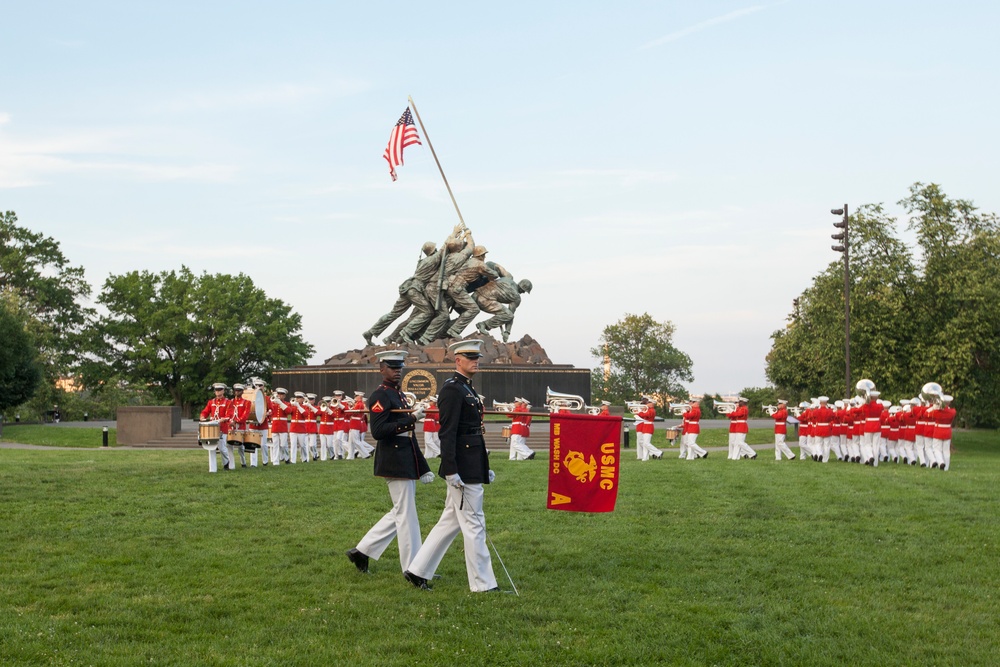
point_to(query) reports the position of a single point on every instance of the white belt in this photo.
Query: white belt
(823, 424)
(873, 419)
(739, 421)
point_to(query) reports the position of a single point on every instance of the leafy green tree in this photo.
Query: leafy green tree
(176, 333)
(758, 397)
(911, 322)
(38, 282)
(20, 372)
(643, 361)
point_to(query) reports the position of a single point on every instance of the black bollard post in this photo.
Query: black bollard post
(625, 439)
(86, 417)
(104, 435)
(17, 418)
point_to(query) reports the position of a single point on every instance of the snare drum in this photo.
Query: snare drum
(236, 437)
(505, 432)
(209, 431)
(251, 439)
(672, 433)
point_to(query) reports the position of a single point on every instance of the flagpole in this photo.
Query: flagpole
(438, 162)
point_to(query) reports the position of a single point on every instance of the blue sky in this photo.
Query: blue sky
(675, 158)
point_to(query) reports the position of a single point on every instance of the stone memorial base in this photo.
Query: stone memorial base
(520, 368)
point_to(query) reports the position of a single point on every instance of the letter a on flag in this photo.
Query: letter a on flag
(584, 458)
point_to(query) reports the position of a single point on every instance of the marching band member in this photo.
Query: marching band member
(919, 410)
(279, 415)
(399, 461)
(520, 429)
(857, 425)
(432, 442)
(312, 430)
(325, 429)
(605, 409)
(264, 424)
(297, 428)
(359, 448)
(823, 419)
(871, 411)
(895, 444)
(690, 428)
(883, 446)
(780, 418)
(738, 431)
(837, 440)
(340, 428)
(944, 415)
(220, 409)
(908, 432)
(804, 449)
(241, 412)
(644, 449)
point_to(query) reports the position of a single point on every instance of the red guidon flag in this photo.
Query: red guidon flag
(584, 456)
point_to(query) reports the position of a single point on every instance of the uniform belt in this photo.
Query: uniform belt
(873, 419)
(823, 424)
(739, 421)
(468, 431)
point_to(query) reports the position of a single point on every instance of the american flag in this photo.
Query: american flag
(403, 135)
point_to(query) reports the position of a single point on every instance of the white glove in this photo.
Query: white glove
(493, 476)
(418, 413)
(427, 478)
(455, 481)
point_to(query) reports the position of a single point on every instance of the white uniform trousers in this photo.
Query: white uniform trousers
(693, 450)
(340, 444)
(432, 444)
(227, 460)
(892, 448)
(921, 450)
(682, 448)
(519, 450)
(325, 446)
(263, 453)
(781, 448)
(867, 450)
(644, 448)
(942, 448)
(804, 451)
(463, 512)
(734, 447)
(744, 448)
(401, 522)
(279, 447)
(311, 445)
(824, 447)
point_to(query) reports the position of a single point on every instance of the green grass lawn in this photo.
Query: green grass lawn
(122, 557)
(58, 436)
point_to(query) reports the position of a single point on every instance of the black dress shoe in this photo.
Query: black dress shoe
(495, 589)
(530, 456)
(243, 465)
(359, 559)
(418, 582)
(705, 455)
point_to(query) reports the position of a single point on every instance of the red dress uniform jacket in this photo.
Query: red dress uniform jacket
(357, 422)
(241, 412)
(339, 418)
(872, 412)
(325, 421)
(943, 418)
(279, 414)
(221, 410)
(823, 420)
(884, 423)
(297, 412)
(907, 426)
(919, 412)
(692, 421)
(648, 415)
(738, 420)
(310, 417)
(805, 425)
(520, 423)
(780, 421)
(894, 427)
(267, 419)
(604, 411)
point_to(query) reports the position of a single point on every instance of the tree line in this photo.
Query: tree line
(154, 338)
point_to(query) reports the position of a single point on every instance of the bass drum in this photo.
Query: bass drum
(259, 410)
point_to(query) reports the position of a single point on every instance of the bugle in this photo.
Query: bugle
(723, 407)
(678, 408)
(770, 409)
(502, 407)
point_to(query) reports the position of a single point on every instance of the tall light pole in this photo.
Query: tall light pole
(845, 247)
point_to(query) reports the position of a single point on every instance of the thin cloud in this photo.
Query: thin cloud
(704, 25)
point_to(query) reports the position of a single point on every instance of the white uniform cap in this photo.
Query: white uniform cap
(299, 394)
(359, 393)
(824, 399)
(875, 392)
(886, 403)
(742, 399)
(280, 390)
(605, 402)
(839, 404)
(894, 409)
(327, 399)
(338, 393)
(238, 387)
(520, 400)
(433, 399)
(782, 401)
(904, 401)
(392, 358)
(218, 385)
(473, 346)
(310, 396)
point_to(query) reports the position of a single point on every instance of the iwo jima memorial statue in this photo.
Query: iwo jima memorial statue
(449, 288)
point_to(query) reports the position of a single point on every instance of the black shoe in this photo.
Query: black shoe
(359, 559)
(419, 582)
(657, 456)
(934, 465)
(530, 456)
(495, 589)
(243, 465)
(753, 457)
(315, 458)
(705, 455)
(923, 465)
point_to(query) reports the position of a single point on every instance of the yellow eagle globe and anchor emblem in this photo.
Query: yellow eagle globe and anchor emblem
(579, 467)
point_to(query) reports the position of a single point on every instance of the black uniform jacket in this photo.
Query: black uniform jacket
(463, 449)
(396, 452)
